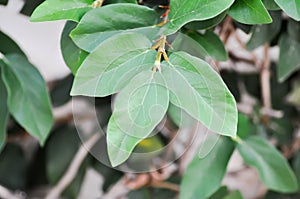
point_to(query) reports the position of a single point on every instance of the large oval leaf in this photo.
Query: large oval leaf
(250, 12)
(51, 10)
(3, 113)
(140, 106)
(184, 11)
(111, 66)
(291, 8)
(28, 99)
(272, 167)
(204, 176)
(98, 24)
(195, 87)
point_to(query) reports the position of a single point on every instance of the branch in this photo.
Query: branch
(7, 194)
(73, 168)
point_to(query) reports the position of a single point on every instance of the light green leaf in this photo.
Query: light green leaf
(196, 88)
(206, 24)
(180, 117)
(290, 7)
(289, 60)
(262, 34)
(112, 64)
(98, 24)
(51, 10)
(250, 12)
(28, 100)
(72, 55)
(121, 1)
(270, 5)
(204, 176)
(272, 167)
(3, 113)
(140, 106)
(184, 11)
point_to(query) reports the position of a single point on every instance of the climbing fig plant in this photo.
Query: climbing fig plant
(155, 56)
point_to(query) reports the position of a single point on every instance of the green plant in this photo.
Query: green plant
(109, 47)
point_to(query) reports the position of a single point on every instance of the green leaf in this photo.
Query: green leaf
(121, 1)
(28, 100)
(52, 10)
(184, 11)
(234, 195)
(140, 106)
(3, 113)
(72, 55)
(3, 2)
(198, 89)
(180, 117)
(30, 6)
(243, 128)
(220, 193)
(294, 96)
(270, 5)
(272, 167)
(262, 34)
(7, 45)
(112, 64)
(206, 24)
(291, 8)
(98, 24)
(250, 12)
(204, 176)
(289, 60)
(294, 29)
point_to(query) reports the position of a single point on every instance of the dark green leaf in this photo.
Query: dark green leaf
(184, 11)
(51, 10)
(294, 29)
(196, 88)
(112, 64)
(262, 34)
(72, 55)
(291, 8)
(289, 59)
(3, 2)
(29, 6)
(204, 176)
(206, 24)
(13, 167)
(294, 96)
(220, 193)
(28, 100)
(60, 92)
(270, 5)
(250, 12)
(234, 195)
(7, 45)
(3, 113)
(140, 106)
(98, 24)
(296, 165)
(272, 167)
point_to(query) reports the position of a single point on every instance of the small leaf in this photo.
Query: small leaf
(291, 8)
(262, 34)
(72, 55)
(270, 5)
(184, 11)
(112, 64)
(289, 60)
(98, 24)
(140, 106)
(51, 10)
(234, 195)
(28, 100)
(7, 45)
(250, 12)
(3, 113)
(196, 88)
(294, 29)
(272, 167)
(204, 176)
(206, 24)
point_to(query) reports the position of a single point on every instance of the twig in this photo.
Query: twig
(73, 168)
(117, 191)
(7, 194)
